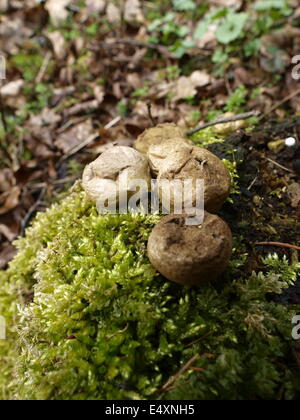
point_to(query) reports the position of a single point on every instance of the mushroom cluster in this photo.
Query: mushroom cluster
(185, 254)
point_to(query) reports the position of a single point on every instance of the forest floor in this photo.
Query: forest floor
(82, 76)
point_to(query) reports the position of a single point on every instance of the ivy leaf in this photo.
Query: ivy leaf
(184, 5)
(231, 28)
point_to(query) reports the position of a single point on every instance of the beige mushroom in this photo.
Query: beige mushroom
(174, 161)
(190, 255)
(114, 172)
(158, 135)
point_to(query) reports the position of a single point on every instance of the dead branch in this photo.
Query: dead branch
(238, 117)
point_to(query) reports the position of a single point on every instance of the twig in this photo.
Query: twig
(3, 119)
(43, 68)
(238, 117)
(286, 99)
(280, 166)
(200, 339)
(118, 332)
(160, 48)
(297, 248)
(149, 107)
(81, 146)
(174, 378)
(112, 123)
(31, 211)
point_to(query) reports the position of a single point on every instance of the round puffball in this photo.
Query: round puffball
(194, 163)
(190, 255)
(158, 135)
(114, 172)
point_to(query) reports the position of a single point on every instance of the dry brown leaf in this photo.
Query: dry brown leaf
(7, 180)
(95, 6)
(3, 5)
(209, 38)
(12, 34)
(133, 11)
(8, 233)
(99, 93)
(187, 86)
(294, 192)
(9, 200)
(46, 117)
(73, 137)
(59, 44)
(6, 255)
(135, 80)
(57, 10)
(12, 88)
(113, 13)
(227, 3)
(82, 107)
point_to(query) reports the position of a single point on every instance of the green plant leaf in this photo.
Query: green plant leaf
(184, 5)
(231, 28)
(201, 29)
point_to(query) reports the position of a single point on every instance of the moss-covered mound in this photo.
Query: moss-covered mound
(88, 318)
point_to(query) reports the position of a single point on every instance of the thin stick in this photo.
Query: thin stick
(149, 107)
(43, 68)
(286, 99)
(31, 211)
(200, 339)
(174, 378)
(81, 146)
(297, 248)
(280, 166)
(238, 117)
(3, 119)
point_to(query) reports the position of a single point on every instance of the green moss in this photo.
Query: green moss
(104, 325)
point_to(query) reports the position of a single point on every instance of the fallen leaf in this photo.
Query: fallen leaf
(95, 6)
(3, 5)
(46, 117)
(135, 80)
(187, 86)
(206, 36)
(7, 255)
(227, 3)
(8, 233)
(7, 180)
(82, 107)
(9, 200)
(73, 137)
(99, 93)
(294, 192)
(113, 13)
(12, 34)
(58, 43)
(133, 11)
(57, 10)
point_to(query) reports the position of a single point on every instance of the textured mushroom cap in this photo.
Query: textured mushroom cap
(169, 154)
(158, 135)
(110, 170)
(195, 163)
(190, 255)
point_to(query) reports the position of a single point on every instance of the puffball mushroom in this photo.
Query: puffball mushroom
(190, 255)
(158, 135)
(182, 162)
(113, 171)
